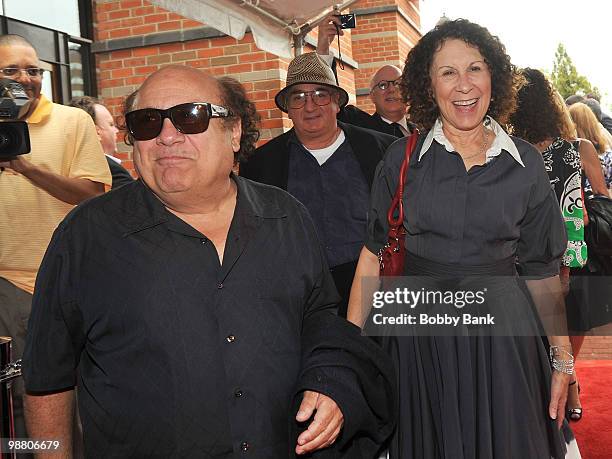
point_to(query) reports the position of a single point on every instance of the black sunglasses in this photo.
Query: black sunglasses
(191, 118)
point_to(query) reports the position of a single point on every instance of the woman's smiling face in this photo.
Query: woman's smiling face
(461, 85)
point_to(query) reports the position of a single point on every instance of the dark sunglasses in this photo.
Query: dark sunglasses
(191, 118)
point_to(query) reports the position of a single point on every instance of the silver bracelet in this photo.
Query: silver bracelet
(562, 365)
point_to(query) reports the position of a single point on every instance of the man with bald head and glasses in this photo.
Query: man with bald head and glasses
(64, 167)
(385, 93)
(326, 164)
(217, 338)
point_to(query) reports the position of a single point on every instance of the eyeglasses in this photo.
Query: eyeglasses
(320, 97)
(32, 72)
(191, 118)
(384, 84)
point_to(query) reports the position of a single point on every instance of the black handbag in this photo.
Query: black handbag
(598, 233)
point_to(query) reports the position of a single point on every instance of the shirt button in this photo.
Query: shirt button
(238, 393)
(244, 446)
(203, 241)
(219, 286)
(230, 338)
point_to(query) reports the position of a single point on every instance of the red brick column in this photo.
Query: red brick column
(386, 31)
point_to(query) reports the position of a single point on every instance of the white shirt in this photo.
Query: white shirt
(501, 142)
(324, 154)
(117, 160)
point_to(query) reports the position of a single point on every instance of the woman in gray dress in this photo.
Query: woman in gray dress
(476, 201)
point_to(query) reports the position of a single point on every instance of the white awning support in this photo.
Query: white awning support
(277, 25)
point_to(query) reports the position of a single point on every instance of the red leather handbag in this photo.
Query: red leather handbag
(391, 257)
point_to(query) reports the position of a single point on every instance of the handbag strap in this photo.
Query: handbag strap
(399, 191)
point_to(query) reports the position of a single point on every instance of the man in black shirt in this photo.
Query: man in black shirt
(193, 308)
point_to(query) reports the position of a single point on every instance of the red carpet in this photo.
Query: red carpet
(594, 431)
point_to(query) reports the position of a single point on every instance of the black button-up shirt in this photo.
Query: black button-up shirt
(175, 354)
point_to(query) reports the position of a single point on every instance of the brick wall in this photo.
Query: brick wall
(127, 33)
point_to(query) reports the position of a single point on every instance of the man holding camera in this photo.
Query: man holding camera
(65, 166)
(390, 115)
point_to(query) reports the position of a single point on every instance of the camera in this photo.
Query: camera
(14, 134)
(348, 21)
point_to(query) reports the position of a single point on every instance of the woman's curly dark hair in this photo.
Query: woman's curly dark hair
(538, 116)
(234, 98)
(416, 80)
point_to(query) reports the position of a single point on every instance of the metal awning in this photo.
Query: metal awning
(278, 26)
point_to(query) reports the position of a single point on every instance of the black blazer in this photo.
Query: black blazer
(269, 164)
(120, 174)
(356, 116)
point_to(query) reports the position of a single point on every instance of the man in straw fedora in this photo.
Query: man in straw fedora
(326, 164)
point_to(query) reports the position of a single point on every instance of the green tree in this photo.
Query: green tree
(566, 78)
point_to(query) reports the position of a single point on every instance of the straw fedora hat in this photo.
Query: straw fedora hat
(309, 68)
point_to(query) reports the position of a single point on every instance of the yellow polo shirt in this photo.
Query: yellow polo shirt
(63, 141)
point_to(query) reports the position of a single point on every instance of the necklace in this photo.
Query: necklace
(482, 149)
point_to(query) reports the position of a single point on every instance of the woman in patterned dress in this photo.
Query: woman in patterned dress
(542, 119)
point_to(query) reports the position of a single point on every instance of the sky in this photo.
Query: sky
(532, 29)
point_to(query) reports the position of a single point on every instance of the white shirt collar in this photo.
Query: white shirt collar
(402, 122)
(501, 142)
(117, 160)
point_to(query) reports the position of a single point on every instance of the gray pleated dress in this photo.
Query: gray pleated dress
(479, 396)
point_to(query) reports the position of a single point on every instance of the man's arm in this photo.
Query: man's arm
(592, 168)
(346, 380)
(67, 189)
(327, 31)
(49, 417)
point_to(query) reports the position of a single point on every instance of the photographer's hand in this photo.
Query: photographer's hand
(16, 164)
(327, 31)
(68, 189)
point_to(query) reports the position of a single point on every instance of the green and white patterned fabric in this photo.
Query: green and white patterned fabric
(562, 161)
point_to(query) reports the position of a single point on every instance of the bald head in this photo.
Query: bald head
(388, 101)
(14, 40)
(17, 52)
(386, 72)
(175, 81)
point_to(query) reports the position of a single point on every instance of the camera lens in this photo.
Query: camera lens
(13, 140)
